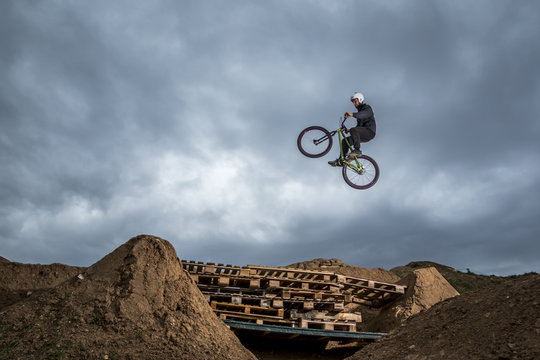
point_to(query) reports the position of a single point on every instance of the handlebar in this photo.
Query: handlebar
(343, 127)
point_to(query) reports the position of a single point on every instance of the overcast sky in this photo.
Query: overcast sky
(179, 119)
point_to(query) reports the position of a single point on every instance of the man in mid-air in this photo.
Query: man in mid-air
(363, 132)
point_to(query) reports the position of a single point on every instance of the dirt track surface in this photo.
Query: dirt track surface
(425, 288)
(19, 281)
(500, 322)
(135, 303)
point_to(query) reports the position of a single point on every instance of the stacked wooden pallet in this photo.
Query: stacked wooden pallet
(285, 296)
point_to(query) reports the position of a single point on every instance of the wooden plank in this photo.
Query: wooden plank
(325, 316)
(259, 319)
(244, 272)
(327, 325)
(248, 309)
(209, 268)
(254, 283)
(236, 299)
(290, 272)
(307, 315)
(356, 317)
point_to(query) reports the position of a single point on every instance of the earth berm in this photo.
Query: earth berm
(138, 303)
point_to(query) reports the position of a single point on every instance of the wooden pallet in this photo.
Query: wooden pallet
(242, 299)
(291, 283)
(290, 290)
(351, 284)
(320, 299)
(269, 284)
(326, 316)
(290, 273)
(255, 270)
(275, 302)
(299, 284)
(303, 299)
(315, 295)
(220, 269)
(374, 299)
(326, 325)
(226, 281)
(230, 290)
(247, 309)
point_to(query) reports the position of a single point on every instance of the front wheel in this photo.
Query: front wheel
(314, 141)
(362, 173)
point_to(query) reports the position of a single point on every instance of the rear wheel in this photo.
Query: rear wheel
(365, 176)
(314, 141)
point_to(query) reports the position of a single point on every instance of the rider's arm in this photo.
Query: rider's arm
(363, 114)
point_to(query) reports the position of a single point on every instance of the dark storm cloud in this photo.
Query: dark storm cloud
(180, 120)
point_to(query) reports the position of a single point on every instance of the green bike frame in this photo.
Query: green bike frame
(353, 163)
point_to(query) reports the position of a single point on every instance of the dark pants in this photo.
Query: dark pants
(358, 135)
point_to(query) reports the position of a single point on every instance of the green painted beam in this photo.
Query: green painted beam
(303, 331)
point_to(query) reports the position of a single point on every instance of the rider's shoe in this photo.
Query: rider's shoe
(336, 162)
(355, 153)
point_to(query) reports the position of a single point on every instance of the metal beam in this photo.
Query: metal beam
(295, 332)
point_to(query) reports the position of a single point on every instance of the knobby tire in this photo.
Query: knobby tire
(363, 180)
(314, 141)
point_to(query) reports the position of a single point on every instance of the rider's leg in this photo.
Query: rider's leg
(360, 135)
(345, 149)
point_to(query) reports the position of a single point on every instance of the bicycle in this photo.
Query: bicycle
(359, 172)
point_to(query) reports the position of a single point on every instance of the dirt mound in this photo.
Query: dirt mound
(499, 322)
(425, 288)
(18, 281)
(17, 276)
(339, 267)
(462, 281)
(136, 302)
(3, 260)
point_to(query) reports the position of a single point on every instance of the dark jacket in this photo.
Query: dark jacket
(365, 117)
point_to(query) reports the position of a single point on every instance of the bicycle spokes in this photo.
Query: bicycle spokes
(361, 173)
(321, 140)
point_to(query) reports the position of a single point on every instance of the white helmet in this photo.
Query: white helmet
(358, 96)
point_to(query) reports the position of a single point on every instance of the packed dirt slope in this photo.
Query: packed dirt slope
(18, 281)
(462, 281)
(497, 322)
(425, 288)
(135, 303)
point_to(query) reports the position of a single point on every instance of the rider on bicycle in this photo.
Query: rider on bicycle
(363, 132)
